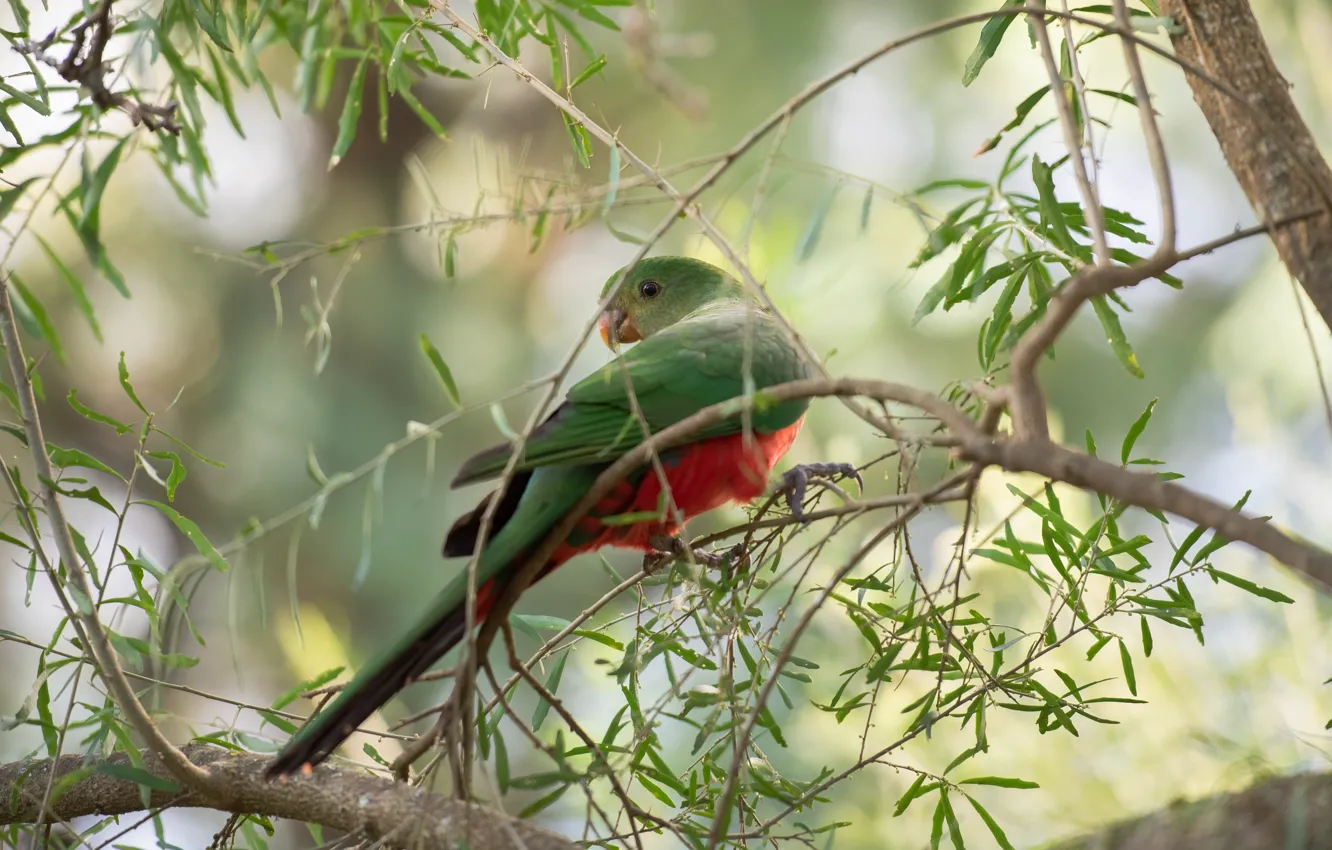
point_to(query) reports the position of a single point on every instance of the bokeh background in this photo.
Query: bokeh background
(1228, 356)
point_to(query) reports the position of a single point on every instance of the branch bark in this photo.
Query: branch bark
(1265, 141)
(1289, 811)
(357, 803)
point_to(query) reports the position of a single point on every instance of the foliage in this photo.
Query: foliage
(703, 665)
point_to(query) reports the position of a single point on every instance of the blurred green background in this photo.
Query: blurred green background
(1228, 357)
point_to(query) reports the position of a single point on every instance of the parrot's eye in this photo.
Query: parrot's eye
(649, 289)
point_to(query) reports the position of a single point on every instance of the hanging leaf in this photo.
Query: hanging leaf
(552, 685)
(991, 34)
(441, 369)
(351, 113)
(39, 315)
(809, 240)
(10, 197)
(1135, 431)
(75, 286)
(1114, 333)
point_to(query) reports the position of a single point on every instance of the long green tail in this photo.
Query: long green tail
(532, 503)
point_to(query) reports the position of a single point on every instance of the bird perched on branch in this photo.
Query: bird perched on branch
(703, 338)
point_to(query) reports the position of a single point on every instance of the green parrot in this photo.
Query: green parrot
(699, 331)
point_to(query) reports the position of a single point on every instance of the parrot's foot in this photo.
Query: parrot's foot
(671, 548)
(795, 480)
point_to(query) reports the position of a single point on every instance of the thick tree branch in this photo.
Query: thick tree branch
(356, 803)
(1266, 143)
(1289, 811)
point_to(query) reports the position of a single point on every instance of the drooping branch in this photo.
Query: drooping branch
(80, 608)
(1265, 141)
(354, 802)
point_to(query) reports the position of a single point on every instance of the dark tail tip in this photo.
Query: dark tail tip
(363, 696)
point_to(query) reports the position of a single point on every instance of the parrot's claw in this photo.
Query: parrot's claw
(797, 478)
(671, 548)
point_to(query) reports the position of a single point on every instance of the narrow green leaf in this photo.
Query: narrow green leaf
(65, 458)
(127, 386)
(950, 817)
(593, 68)
(1023, 110)
(1114, 333)
(1052, 215)
(582, 144)
(543, 803)
(50, 733)
(191, 530)
(26, 99)
(176, 475)
(937, 824)
(10, 197)
(809, 239)
(1126, 661)
(1255, 589)
(94, 183)
(1000, 782)
(552, 685)
(501, 762)
(915, 790)
(654, 790)
(292, 694)
(1135, 431)
(934, 297)
(441, 369)
(351, 113)
(991, 34)
(613, 180)
(75, 286)
(995, 830)
(38, 311)
(540, 621)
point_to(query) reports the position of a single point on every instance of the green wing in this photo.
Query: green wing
(695, 363)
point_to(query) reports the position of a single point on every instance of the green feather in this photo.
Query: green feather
(696, 362)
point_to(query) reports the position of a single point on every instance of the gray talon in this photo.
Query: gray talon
(796, 479)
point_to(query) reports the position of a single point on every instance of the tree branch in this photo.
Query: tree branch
(357, 803)
(1145, 490)
(90, 72)
(1265, 141)
(1289, 811)
(1015, 454)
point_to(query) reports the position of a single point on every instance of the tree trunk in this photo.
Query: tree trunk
(1267, 145)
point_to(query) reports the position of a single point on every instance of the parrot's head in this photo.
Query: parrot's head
(660, 291)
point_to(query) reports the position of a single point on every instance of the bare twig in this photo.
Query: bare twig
(90, 71)
(1155, 146)
(1091, 201)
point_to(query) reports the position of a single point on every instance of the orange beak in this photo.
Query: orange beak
(616, 327)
